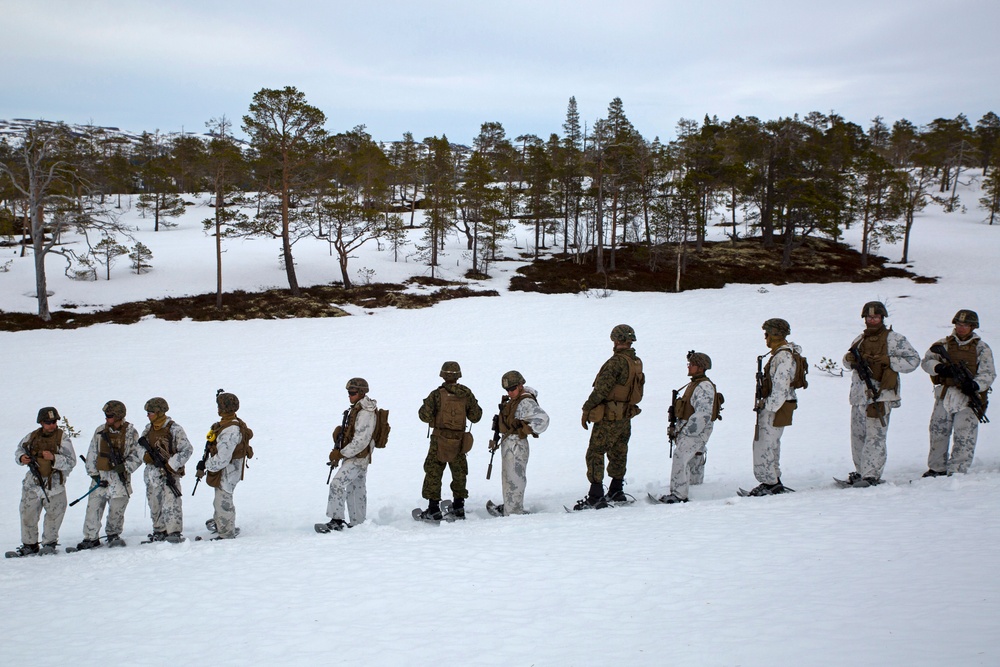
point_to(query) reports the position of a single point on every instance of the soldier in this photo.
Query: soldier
(113, 456)
(885, 354)
(354, 440)
(446, 409)
(49, 454)
(777, 400)
(611, 406)
(953, 410)
(520, 417)
(695, 411)
(166, 437)
(225, 460)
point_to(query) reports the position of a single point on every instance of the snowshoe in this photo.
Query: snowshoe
(934, 473)
(331, 525)
(155, 536)
(48, 549)
(493, 509)
(82, 546)
(669, 499)
(174, 538)
(587, 503)
(23, 550)
(115, 541)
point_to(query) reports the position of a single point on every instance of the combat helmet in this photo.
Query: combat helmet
(511, 379)
(874, 308)
(966, 316)
(623, 333)
(359, 385)
(227, 402)
(777, 327)
(700, 359)
(157, 405)
(114, 409)
(450, 370)
(47, 414)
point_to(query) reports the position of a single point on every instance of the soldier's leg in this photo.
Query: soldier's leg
(459, 468)
(619, 433)
(873, 454)
(31, 512)
(859, 432)
(154, 498)
(357, 496)
(680, 466)
(55, 510)
(940, 436)
(95, 512)
(225, 514)
(337, 497)
(116, 515)
(433, 472)
(964, 447)
(697, 466)
(173, 512)
(598, 447)
(514, 478)
(767, 449)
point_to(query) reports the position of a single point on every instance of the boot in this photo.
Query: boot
(89, 544)
(934, 473)
(25, 550)
(115, 541)
(433, 511)
(672, 499)
(458, 508)
(595, 498)
(615, 492)
(157, 536)
(174, 538)
(47, 549)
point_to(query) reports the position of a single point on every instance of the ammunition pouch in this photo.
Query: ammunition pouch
(875, 410)
(783, 416)
(449, 444)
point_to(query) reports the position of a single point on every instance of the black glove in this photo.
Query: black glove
(201, 466)
(944, 371)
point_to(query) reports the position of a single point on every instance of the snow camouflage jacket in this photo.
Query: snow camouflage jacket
(362, 431)
(64, 462)
(529, 412)
(986, 372)
(226, 443)
(781, 369)
(182, 447)
(132, 455)
(902, 359)
(702, 402)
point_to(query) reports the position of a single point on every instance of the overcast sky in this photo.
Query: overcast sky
(434, 67)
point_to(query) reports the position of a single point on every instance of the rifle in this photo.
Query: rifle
(36, 473)
(338, 442)
(758, 396)
(117, 462)
(495, 442)
(966, 382)
(99, 484)
(201, 466)
(672, 421)
(161, 463)
(865, 373)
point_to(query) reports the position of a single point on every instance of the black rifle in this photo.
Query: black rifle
(495, 442)
(161, 463)
(33, 466)
(338, 443)
(865, 373)
(966, 382)
(117, 462)
(672, 421)
(201, 466)
(758, 395)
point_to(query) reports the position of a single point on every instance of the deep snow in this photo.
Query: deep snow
(905, 573)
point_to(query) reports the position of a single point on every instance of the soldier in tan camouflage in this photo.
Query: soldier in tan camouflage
(447, 410)
(170, 440)
(48, 452)
(610, 407)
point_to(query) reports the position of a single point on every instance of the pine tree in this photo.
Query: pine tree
(140, 256)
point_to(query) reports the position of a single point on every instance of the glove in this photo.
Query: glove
(120, 469)
(760, 405)
(201, 466)
(944, 371)
(524, 429)
(671, 431)
(494, 445)
(335, 455)
(583, 421)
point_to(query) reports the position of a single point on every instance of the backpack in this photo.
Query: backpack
(382, 428)
(717, 405)
(799, 381)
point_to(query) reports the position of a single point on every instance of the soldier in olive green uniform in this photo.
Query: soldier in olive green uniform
(610, 407)
(447, 409)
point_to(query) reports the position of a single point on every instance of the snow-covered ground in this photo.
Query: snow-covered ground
(905, 573)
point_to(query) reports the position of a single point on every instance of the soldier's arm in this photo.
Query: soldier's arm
(902, 357)
(429, 407)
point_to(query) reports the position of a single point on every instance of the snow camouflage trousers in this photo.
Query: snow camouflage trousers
(514, 474)
(868, 441)
(965, 427)
(434, 473)
(349, 487)
(225, 514)
(608, 438)
(96, 503)
(164, 507)
(31, 511)
(767, 449)
(689, 460)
